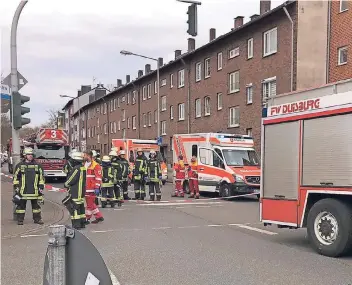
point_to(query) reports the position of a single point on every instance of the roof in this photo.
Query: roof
(190, 53)
(67, 104)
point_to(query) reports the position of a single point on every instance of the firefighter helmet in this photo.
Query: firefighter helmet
(113, 153)
(139, 150)
(77, 156)
(105, 159)
(28, 151)
(153, 152)
(122, 152)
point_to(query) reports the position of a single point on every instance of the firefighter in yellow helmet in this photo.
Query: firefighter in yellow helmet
(76, 185)
(107, 186)
(28, 182)
(139, 175)
(123, 170)
(154, 176)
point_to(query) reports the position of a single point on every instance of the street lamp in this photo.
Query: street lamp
(125, 52)
(79, 118)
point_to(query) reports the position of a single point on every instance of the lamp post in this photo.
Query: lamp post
(125, 52)
(79, 118)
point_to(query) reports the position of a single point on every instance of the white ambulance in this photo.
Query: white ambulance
(227, 163)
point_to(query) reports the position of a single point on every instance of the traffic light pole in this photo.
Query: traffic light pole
(14, 85)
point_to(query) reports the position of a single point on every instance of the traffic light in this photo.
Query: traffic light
(18, 110)
(192, 20)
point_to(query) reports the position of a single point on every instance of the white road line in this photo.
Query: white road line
(180, 207)
(253, 229)
(177, 204)
(113, 278)
(215, 225)
(202, 206)
(188, 227)
(26, 236)
(162, 228)
(119, 209)
(106, 231)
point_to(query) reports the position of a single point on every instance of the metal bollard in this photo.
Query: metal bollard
(56, 274)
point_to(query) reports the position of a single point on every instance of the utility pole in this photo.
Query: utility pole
(14, 86)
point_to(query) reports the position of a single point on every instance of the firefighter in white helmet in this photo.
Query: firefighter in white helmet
(122, 172)
(154, 176)
(107, 187)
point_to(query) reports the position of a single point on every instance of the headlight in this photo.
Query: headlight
(239, 178)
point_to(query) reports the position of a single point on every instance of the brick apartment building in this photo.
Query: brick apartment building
(221, 85)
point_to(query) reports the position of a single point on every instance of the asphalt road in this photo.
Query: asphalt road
(200, 242)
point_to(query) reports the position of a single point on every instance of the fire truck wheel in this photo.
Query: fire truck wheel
(329, 227)
(225, 190)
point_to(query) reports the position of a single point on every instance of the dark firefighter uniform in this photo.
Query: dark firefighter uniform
(123, 170)
(154, 176)
(76, 185)
(28, 182)
(107, 186)
(139, 171)
(68, 166)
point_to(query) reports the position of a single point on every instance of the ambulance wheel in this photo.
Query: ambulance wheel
(225, 190)
(329, 227)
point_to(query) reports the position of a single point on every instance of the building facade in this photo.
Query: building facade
(222, 85)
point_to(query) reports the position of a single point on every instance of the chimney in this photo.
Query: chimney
(177, 53)
(140, 73)
(128, 79)
(212, 34)
(160, 61)
(119, 83)
(191, 44)
(85, 89)
(238, 21)
(264, 6)
(255, 16)
(79, 93)
(147, 68)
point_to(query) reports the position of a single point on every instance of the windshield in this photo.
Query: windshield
(49, 152)
(240, 157)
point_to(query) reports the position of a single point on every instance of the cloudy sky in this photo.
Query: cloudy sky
(63, 44)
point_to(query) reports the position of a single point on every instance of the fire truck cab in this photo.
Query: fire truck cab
(227, 163)
(131, 146)
(307, 165)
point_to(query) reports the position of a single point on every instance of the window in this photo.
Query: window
(207, 68)
(149, 119)
(123, 115)
(234, 82)
(118, 102)
(171, 80)
(111, 128)
(128, 122)
(342, 55)
(206, 106)
(134, 122)
(181, 78)
(270, 42)
(171, 112)
(219, 98)
(144, 93)
(88, 132)
(105, 129)
(234, 52)
(249, 132)
(198, 104)
(144, 120)
(205, 156)
(128, 98)
(163, 103)
(123, 133)
(155, 87)
(155, 117)
(181, 111)
(111, 105)
(250, 48)
(234, 117)
(219, 60)
(269, 87)
(115, 101)
(163, 128)
(343, 5)
(123, 99)
(105, 108)
(134, 94)
(149, 91)
(198, 71)
(249, 93)
(101, 108)
(115, 127)
(163, 82)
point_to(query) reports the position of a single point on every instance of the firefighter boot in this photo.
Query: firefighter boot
(191, 195)
(119, 204)
(37, 218)
(152, 197)
(76, 224)
(197, 196)
(20, 218)
(158, 197)
(98, 220)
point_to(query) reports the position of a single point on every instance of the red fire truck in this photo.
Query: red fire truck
(307, 165)
(51, 150)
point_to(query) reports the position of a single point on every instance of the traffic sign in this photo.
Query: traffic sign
(21, 80)
(159, 140)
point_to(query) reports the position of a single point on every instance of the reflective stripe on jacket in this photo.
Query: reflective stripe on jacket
(108, 176)
(123, 170)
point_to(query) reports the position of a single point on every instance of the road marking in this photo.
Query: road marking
(202, 206)
(215, 225)
(113, 278)
(188, 227)
(181, 207)
(253, 229)
(106, 231)
(26, 236)
(177, 204)
(119, 209)
(162, 228)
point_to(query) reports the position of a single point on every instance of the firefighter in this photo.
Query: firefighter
(76, 185)
(139, 172)
(114, 158)
(93, 187)
(28, 182)
(123, 170)
(179, 168)
(154, 176)
(68, 165)
(96, 157)
(107, 187)
(193, 178)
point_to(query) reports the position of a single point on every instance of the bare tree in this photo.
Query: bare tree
(5, 129)
(52, 120)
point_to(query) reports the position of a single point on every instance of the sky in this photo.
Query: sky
(63, 44)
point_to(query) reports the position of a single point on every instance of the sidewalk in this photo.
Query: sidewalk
(51, 214)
